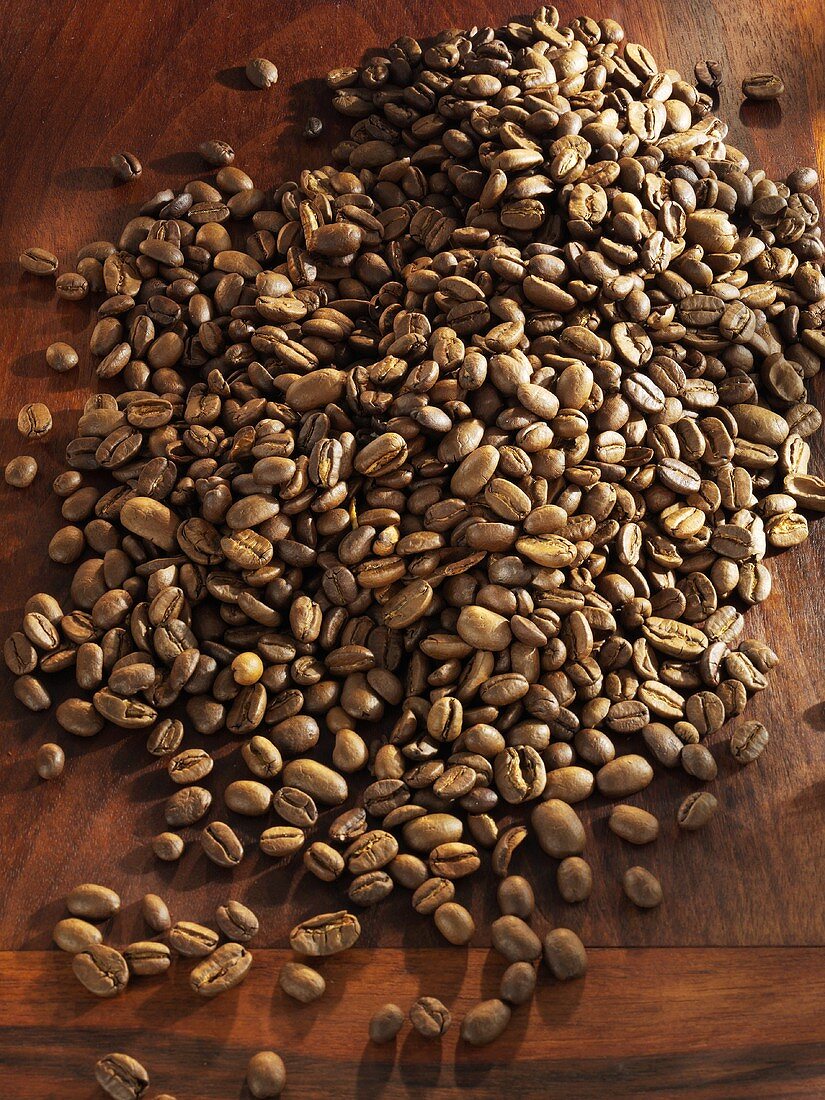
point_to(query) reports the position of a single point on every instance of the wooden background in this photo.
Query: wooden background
(722, 990)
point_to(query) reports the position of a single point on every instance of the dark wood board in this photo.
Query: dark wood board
(81, 80)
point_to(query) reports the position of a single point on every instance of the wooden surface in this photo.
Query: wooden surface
(80, 80)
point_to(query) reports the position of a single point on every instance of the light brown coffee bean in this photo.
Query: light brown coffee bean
(696, 810)
(484, 1022)
(20, 472)
(92, 901)
(574, 878)
(633, 824)
(385, 1023)
(325, 934)
(121, 1076)
(225, 968)
(50, 761)
(261, 74)
(236, 921)
(455, 923)
(101, 969)
(72, 934)
(301, 982)
(564, 954)
(642, 887)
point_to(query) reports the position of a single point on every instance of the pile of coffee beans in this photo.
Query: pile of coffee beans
(452, 465)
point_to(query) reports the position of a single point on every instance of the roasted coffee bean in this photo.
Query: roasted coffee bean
(454, 922)
(187, 806)
(155, 913)
(145, 957)
(515, 940)
(168, 846)
(748, 741)
(574, 878)
(385, 1023)
(34, 421)
(121, 1076)
(101, 969)
(236, 921)
(92, 901)
(51, 760)
(633, 824)
(225, 968)
(484, 1022)
(430, 1017)
(326, 934)
(282, 840)
(38, 261)
(261, 73)
(20, 472)
(126, 166)
(221, 844)
(624, 776)
(564, 954)
(642, 887)
(558, 829)
(515, 896)
(72, 934)
(762, 86)
(301, 982)
(192, 940)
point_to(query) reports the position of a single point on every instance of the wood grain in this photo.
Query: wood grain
(82, 80)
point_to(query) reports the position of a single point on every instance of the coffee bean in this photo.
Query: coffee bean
(101, 969)
(50, 761)
(430, 1017)
(146, 957)
(325, 934)
(748, 741)
(484, 1022)
(282, 840)
(301, 982)
(92, 901)
(565, 954)
(626, 775)
(221, 844)
(518, 983)
(385, 1023)
(38, 261)
(121, 1076)
(762, 86)
(515, 896)
(21, 472)
(697, 760)
(168, 846)
(216, 153)
(575, 879)
(34, 421)
(642, 887)
(225, 968)
(454, 922)
(696, 810)
(261, 73)
(126, 166)
(236, 921)
(61, 357)
(156, 913)
(72, 286)
(634, 824)
(515, 940)
(312, 127)
(72, 934)
(558, 829)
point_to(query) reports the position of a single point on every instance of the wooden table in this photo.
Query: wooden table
(722, 991)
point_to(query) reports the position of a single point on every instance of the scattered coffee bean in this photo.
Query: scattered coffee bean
(156, 913)
(145, 957)
(633, 824)
(126, 166)
(455, 923)
(92, 901)
(574, 878)
(642, 887)
(121, 1077)
(762, 86)
(518, 983)
(38, 261)
(266, 1074)
(101, 969)
(72, 934)
(301, 982)
(216, 153)
(385, 1023)
(225, 968)
(485, 1022)
(261, 73)
(564, 954)
(34, 421)
(50, 761)
(21, 471)
(430, 1017)
(748, 741)
(61, 357)
(313, 127)
(168, 846)
(236, 921)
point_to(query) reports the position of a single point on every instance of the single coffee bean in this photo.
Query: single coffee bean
(192, 940)
(50, 761)
(61, 357)
(38, 261)
(121, 1076)
(72, 286)
(698, 761)
(126, 166)
(20, 472)
(574, 878)
(221, 844)
(261, 73)
(518, 983)
(92, 901)
(225, 968)
(168, 846)
(696, 810)
(216, 153)
(266, 1074)
(484, 1022)
(72, 934)
(101, 969)
(515, 940)
(633, 824)
(236, 921)
(430, 1017)
(385, 1023)
(247, 797)
(156, 913)
(282, 840)
(34, 421)
(564, 954)
(748, 741)
(515, 896)
(558, 829)
(146, 957)
(325, 934)
(187, 806)
(301, 982)
(312, 127)
(762, 86)
(642, 887)
(455, 923)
